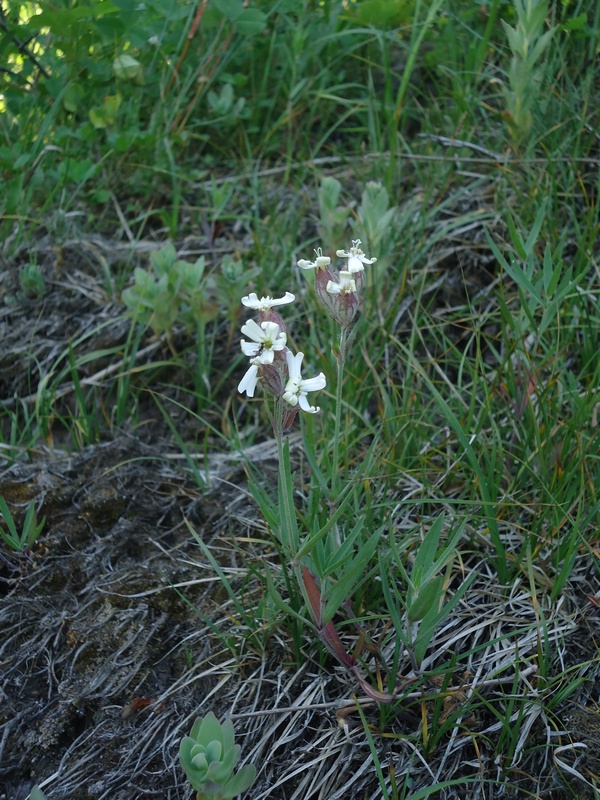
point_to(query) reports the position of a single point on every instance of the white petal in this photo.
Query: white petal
(289, 298)
(251, 301)
(291, 398)
(249, 381)
(294, 364)
(314, 384)
(306, 406)
(355, 264)
(252, 329)
(333, 288)
(249, 348)
(304, 264)
(271, 330)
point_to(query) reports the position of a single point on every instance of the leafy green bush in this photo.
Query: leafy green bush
(171, 291)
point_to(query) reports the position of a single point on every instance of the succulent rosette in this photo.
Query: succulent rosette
(209, 756)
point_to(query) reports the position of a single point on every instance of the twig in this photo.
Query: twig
(448, 142)
(22, 46)
(188, 41)
(335, 160)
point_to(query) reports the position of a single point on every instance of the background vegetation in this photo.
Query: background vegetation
(459, 141)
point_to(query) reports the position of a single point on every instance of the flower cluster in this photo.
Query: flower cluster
(340, 291)
(272, 363)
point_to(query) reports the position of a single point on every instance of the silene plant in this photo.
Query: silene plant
(278, 373)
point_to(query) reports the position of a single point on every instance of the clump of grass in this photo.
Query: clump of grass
(20, 540)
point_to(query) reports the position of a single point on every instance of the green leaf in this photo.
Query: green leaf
(552, 274)
(72, 97)
(539, 47)
(516, 239)
(424, 601)
(329, 193)
(241, 781)
(434, 617)
(514, 41)
(31, 527)
(230, 9)
(353, 576)
(162, 260)
(428, 547)
(290, 535)
(520, 277)
(535, 230)
(316, 470)
(578, 23)
(106, 114)
(8, 518)
(126, 67)
(250, 22)
(346, 550)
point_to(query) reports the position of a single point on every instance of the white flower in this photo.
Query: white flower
(320, 261)
(347, 284)
(266, 338)
(296, 388)
(265, 303)
(356, 257)
(250, 379)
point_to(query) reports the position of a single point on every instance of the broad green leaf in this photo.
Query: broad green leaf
(126, 68)
(250, 22)
(578, 23)
(230, 9)
(72, 97)
(424, 601)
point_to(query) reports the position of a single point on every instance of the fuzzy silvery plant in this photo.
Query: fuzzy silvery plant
(209, 756)
(171, 290)
(528, 41)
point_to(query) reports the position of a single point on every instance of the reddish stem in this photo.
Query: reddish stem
(188, 41)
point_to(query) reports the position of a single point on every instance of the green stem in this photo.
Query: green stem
(336, 466)
(287, 511)
(289, 535)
